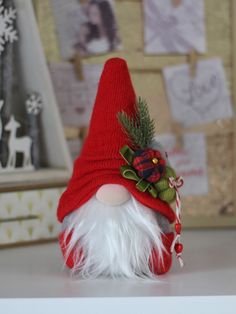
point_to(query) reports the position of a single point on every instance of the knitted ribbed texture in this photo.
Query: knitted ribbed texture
(100, 160)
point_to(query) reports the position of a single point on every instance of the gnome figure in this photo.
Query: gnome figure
(115, 213)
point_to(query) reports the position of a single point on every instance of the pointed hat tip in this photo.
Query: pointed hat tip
(115, 62)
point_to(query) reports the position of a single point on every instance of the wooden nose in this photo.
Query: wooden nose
(112, 194)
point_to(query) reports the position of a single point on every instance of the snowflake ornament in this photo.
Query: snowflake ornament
(7, 31)
(34, 104)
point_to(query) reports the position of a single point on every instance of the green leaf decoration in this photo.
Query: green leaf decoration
(141, 128)
(129, 173)
(128, 154)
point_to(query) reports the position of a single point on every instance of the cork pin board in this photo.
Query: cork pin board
(217, 207)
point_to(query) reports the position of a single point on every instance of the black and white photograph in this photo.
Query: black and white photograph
(88, 27)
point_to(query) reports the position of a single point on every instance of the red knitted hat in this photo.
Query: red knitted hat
(100, 161)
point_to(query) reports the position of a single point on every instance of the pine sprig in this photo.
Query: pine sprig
(147, 125)
(141, 128)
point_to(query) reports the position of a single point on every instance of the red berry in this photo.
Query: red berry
(178, 228)
(178, 248)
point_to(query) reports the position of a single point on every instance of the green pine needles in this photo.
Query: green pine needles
(141, 128)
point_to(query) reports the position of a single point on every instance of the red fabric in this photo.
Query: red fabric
(100, 160)
(63, 244)
(156, 265)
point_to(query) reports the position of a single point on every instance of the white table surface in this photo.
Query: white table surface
(34, 276)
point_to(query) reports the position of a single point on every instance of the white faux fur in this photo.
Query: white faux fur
(117, 241)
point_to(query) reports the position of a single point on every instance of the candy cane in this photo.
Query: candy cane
(176, 245)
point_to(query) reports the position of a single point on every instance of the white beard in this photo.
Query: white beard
(116, 241)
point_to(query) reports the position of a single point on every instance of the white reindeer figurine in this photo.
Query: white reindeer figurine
(18, 145)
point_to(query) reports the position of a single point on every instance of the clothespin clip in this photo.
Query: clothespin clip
(83, 132)
(193, 62)
(176, 3)
(78, 66)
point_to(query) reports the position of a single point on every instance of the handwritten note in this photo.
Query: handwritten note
(174, 26)
(189, 161)
(75, 97)
(203, 98)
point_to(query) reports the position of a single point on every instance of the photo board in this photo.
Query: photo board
(209, 197)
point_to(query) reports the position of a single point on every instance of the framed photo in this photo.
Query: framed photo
(86, 27)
